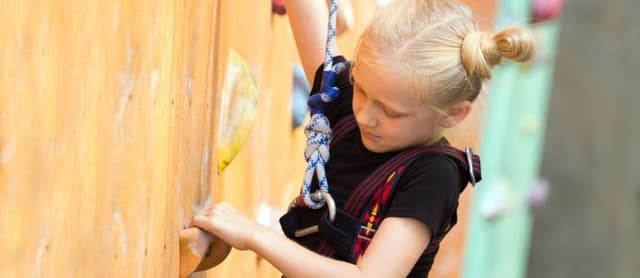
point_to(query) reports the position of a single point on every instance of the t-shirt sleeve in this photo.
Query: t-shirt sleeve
(341, 106)
(428, 191)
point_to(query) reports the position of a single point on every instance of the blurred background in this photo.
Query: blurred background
(590, 226)
(120, 119)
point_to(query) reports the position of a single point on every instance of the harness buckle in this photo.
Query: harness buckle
(469, 153)
(331, 206)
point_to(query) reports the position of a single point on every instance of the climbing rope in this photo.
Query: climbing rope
(318, 131)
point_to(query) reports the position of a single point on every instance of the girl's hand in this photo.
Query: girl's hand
(228, 224)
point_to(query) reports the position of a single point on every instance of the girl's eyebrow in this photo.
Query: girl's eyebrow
(385, 106)
(394, 108)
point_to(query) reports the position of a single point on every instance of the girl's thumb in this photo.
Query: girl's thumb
(201, 221)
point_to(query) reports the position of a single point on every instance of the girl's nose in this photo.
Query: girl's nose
(367, 116)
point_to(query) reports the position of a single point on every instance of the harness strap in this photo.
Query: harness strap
(342, 128)
(376, 210)
(374, 191)
(373, 216)
(355, 204)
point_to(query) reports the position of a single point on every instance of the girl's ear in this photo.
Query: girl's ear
(455, 114)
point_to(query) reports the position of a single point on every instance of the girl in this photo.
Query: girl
(416, 71)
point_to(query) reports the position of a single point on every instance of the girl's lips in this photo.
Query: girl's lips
(369, 134)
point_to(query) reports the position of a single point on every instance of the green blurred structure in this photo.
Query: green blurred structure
(590, 226)
(511, 150)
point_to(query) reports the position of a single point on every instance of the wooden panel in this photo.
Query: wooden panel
(106, 124)
(264, 176)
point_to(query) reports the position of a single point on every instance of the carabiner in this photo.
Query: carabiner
(331, 206)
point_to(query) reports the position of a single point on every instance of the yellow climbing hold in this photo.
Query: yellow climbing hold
(237, 110)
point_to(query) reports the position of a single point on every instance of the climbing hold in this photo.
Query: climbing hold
(543, 10)
(277, 7)
(237, 110)
(498, 199)
(299, 108)
(530, 125)
(382, 3)
(538, 194)
(200, 251)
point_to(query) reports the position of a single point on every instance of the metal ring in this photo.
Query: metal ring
(469, 153)
(331, 205)
(316, 197)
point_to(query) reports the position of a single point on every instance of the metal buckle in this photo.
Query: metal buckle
(469, 153)
(331, 206)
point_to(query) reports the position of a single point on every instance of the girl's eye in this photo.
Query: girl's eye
(392, 114)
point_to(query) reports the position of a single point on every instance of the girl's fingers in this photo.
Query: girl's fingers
(204, 216)
(202, 222)
(209, 210)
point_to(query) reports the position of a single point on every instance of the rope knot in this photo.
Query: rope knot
(319, 135)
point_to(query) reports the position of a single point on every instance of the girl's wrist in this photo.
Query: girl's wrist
(258, 236)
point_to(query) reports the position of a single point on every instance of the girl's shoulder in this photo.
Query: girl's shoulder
(431, 169)
(427, 190)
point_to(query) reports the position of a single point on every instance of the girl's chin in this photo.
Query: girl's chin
(373, 146)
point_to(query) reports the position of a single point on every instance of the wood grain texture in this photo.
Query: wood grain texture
(106, 127)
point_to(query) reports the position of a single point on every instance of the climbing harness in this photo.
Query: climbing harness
(346, 232)
(349, 234)
(372, 214)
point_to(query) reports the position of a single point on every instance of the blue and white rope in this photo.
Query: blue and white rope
(318, 131)
(331, 35)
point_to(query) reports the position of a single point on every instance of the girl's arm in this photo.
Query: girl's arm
(309, 20)
(393, 252)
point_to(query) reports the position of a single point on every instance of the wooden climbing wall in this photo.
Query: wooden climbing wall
(107, 132)
(106, 112)
(262, 179)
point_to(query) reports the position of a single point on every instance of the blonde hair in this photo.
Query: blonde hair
(437, 46)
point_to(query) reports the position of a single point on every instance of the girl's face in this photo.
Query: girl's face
(389, 115)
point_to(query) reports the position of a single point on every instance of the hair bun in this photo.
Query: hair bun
(480, 52)
(515, 44)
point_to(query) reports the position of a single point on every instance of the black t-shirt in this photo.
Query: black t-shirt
(428, 189)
